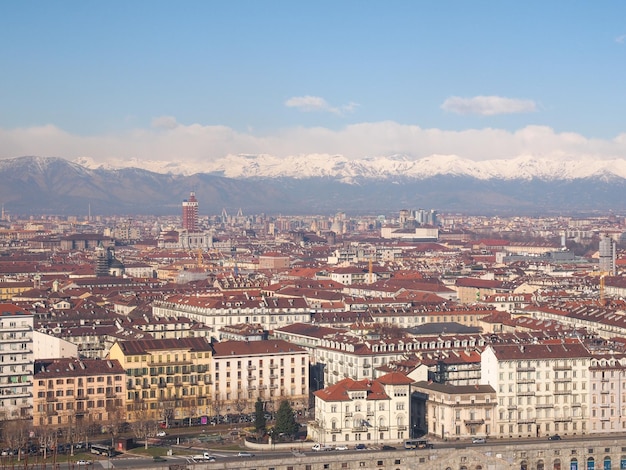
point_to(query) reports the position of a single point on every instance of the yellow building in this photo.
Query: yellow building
(167, 379)
(76, 392)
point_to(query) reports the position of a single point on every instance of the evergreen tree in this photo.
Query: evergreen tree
(259, 415)
(285, 420)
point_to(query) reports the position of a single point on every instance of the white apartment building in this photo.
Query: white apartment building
(368, 411)
(216, 312)
(542, 388)
(453, 412)
(273, 370)
(16, 362)
(607, 376)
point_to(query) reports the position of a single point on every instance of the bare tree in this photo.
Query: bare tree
(168, 408)
(143, 426)
(241, 402)
(16, 434)
(117, 418)
(218, 405)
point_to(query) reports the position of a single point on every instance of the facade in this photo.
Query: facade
(268, 312)
(273, 370)
(607, 376)
(76, 392)
(542, 388)
(190, 213)
(453, 412)
(50, 346)
(363, 411)
(166, 378)
(16, 362)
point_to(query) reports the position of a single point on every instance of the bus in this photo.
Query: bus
(101, 449)
(417, 444)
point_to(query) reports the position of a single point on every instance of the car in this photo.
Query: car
(245, 454)
(84, 462)
(161, 434)
(479, 440)
(360, 447)
(341, 448)
(158, 458)
(554, 437)
(386, 447)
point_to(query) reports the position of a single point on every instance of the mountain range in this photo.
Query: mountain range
(314, 184)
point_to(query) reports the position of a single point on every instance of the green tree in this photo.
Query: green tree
(285, 420)
(259, 415)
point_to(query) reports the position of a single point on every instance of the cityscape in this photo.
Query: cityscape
(274, 235)
(376, 330)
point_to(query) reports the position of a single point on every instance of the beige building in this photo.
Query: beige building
(167, 379)
(72, 392)
(454, 412)
(273, 370)
(542, 388)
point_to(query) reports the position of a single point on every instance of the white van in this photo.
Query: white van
(321, 447)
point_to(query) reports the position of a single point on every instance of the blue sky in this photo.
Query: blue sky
(202, 79)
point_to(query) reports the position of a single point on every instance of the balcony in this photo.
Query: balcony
(562, 368)
(251, 367)
(335, 430)
(251, 377)
(370, 413)
(273, 366)
(525, 369)
(273, 376)
(273, 386)
(543, 405)
(563, 419)
(401, 428)
(563, 380)
(474, 422)
(348, 414)
(383, 428)
(526, 421)
(251, 387)
(361, 429)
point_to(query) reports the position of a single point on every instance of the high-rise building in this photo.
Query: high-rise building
(607, 251)
(16, 357)
(190, 213)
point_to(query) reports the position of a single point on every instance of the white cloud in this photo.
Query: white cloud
(315, 103)
(621, 39)
(488, 105)
(197, 144)
(164, 122)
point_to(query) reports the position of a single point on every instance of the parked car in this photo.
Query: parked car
(554, 437)
(360, 447)
(386, 447)
(161, 434)
(245, 454)
(83, 463)
(341, 448)
(479, 440)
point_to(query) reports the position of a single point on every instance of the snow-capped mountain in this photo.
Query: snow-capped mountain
(313, 185)
(380, 168)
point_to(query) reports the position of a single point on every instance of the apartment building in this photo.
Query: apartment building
(167, 379)
(269, 312)
(16, 362)
(367, 411)
(273, 370)
(542, 388)
(607, 390)
(453, 411)
(75, 392)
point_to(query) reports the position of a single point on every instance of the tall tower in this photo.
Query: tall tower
(607, 255)
(190, 213)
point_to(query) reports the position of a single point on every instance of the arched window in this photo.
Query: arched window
(540, 465)
(523, 465)
(607, 463)
(591, 463)
(573, 465)
(557, 464)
